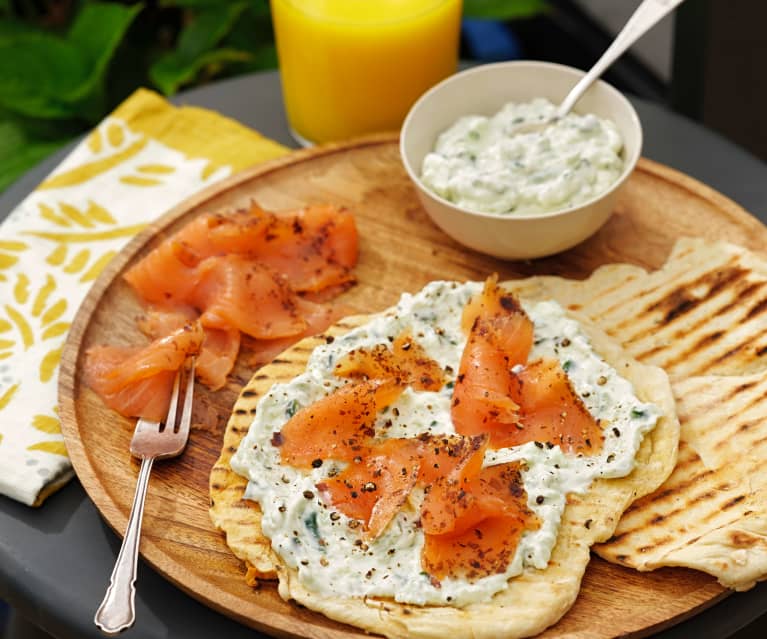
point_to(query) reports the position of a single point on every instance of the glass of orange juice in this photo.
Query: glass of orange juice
(351, 67)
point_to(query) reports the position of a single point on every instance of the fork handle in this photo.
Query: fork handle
(117, 611)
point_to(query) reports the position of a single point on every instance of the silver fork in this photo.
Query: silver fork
(151, 440)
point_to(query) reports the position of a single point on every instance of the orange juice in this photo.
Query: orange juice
(350, 67)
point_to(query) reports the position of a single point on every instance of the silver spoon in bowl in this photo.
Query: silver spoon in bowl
(643, 19)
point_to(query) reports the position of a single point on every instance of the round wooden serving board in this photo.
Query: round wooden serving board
(400, 250)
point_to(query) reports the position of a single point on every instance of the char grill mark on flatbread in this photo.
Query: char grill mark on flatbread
(710, 514)
(702, 313)
(726, 298)
(716, 411)
(677, 330)
(674, 297)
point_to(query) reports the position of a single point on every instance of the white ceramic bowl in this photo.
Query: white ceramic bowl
(484, 90)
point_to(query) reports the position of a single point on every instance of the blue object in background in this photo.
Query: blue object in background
(489, 40)
(5, 613)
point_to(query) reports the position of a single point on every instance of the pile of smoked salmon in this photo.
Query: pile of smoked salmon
(267, 276)
(472, 517)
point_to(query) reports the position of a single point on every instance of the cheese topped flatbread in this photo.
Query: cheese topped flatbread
(536, 592)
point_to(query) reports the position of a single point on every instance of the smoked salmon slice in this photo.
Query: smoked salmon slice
(219, 348)
(318, 317)
(450, 466)
(486, 540)
(167, 275)
(138, 381)
(550, 411)
(406, 360)
(500, 336)
(315, 248)
(156, 322)
(375, 488)
(501, 321)
(498, 392)
(217, 356)
(250, 273)
(339, 426)
(378, 481)
(472, 518)
(233, 292)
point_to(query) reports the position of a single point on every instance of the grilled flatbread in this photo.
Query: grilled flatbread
(534, 600)
(711, 514)
(703, 317)
(703, 313)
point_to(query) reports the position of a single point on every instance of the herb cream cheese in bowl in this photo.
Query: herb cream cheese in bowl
(514, 194)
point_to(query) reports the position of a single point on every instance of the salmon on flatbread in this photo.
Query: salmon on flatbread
(409, 500)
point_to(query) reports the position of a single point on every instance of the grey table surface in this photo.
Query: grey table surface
(55, 560)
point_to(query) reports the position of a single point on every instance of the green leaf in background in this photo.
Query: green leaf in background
(43, 75)
(192, 4)
(96, 32)
(18, 153)
(36, 71)
(265, 57)
(174, 70)
(258, 7)
(502, 9)
(10, 28)
(253, 32)
(207, 28)
(195, 50)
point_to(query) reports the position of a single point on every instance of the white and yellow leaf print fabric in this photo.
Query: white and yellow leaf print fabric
(139, 162)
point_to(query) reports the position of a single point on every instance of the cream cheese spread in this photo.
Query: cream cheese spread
(481, 164)
(326, 548)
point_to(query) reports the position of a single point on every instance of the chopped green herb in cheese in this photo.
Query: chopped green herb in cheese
(482, 164)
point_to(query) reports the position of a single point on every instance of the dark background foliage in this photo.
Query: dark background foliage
(65, 64)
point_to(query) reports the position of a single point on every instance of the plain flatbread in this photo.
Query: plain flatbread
(534, 600)
(703, 317)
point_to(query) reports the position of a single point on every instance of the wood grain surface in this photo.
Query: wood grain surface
(400, 251)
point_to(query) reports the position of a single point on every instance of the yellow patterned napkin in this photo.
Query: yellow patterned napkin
(139, 162)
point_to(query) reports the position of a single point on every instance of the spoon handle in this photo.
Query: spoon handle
(643, 19)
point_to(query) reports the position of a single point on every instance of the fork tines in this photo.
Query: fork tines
(186, 410)
(167, 438)
(182, 425)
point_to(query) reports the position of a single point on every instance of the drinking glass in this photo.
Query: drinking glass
(351, 67)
